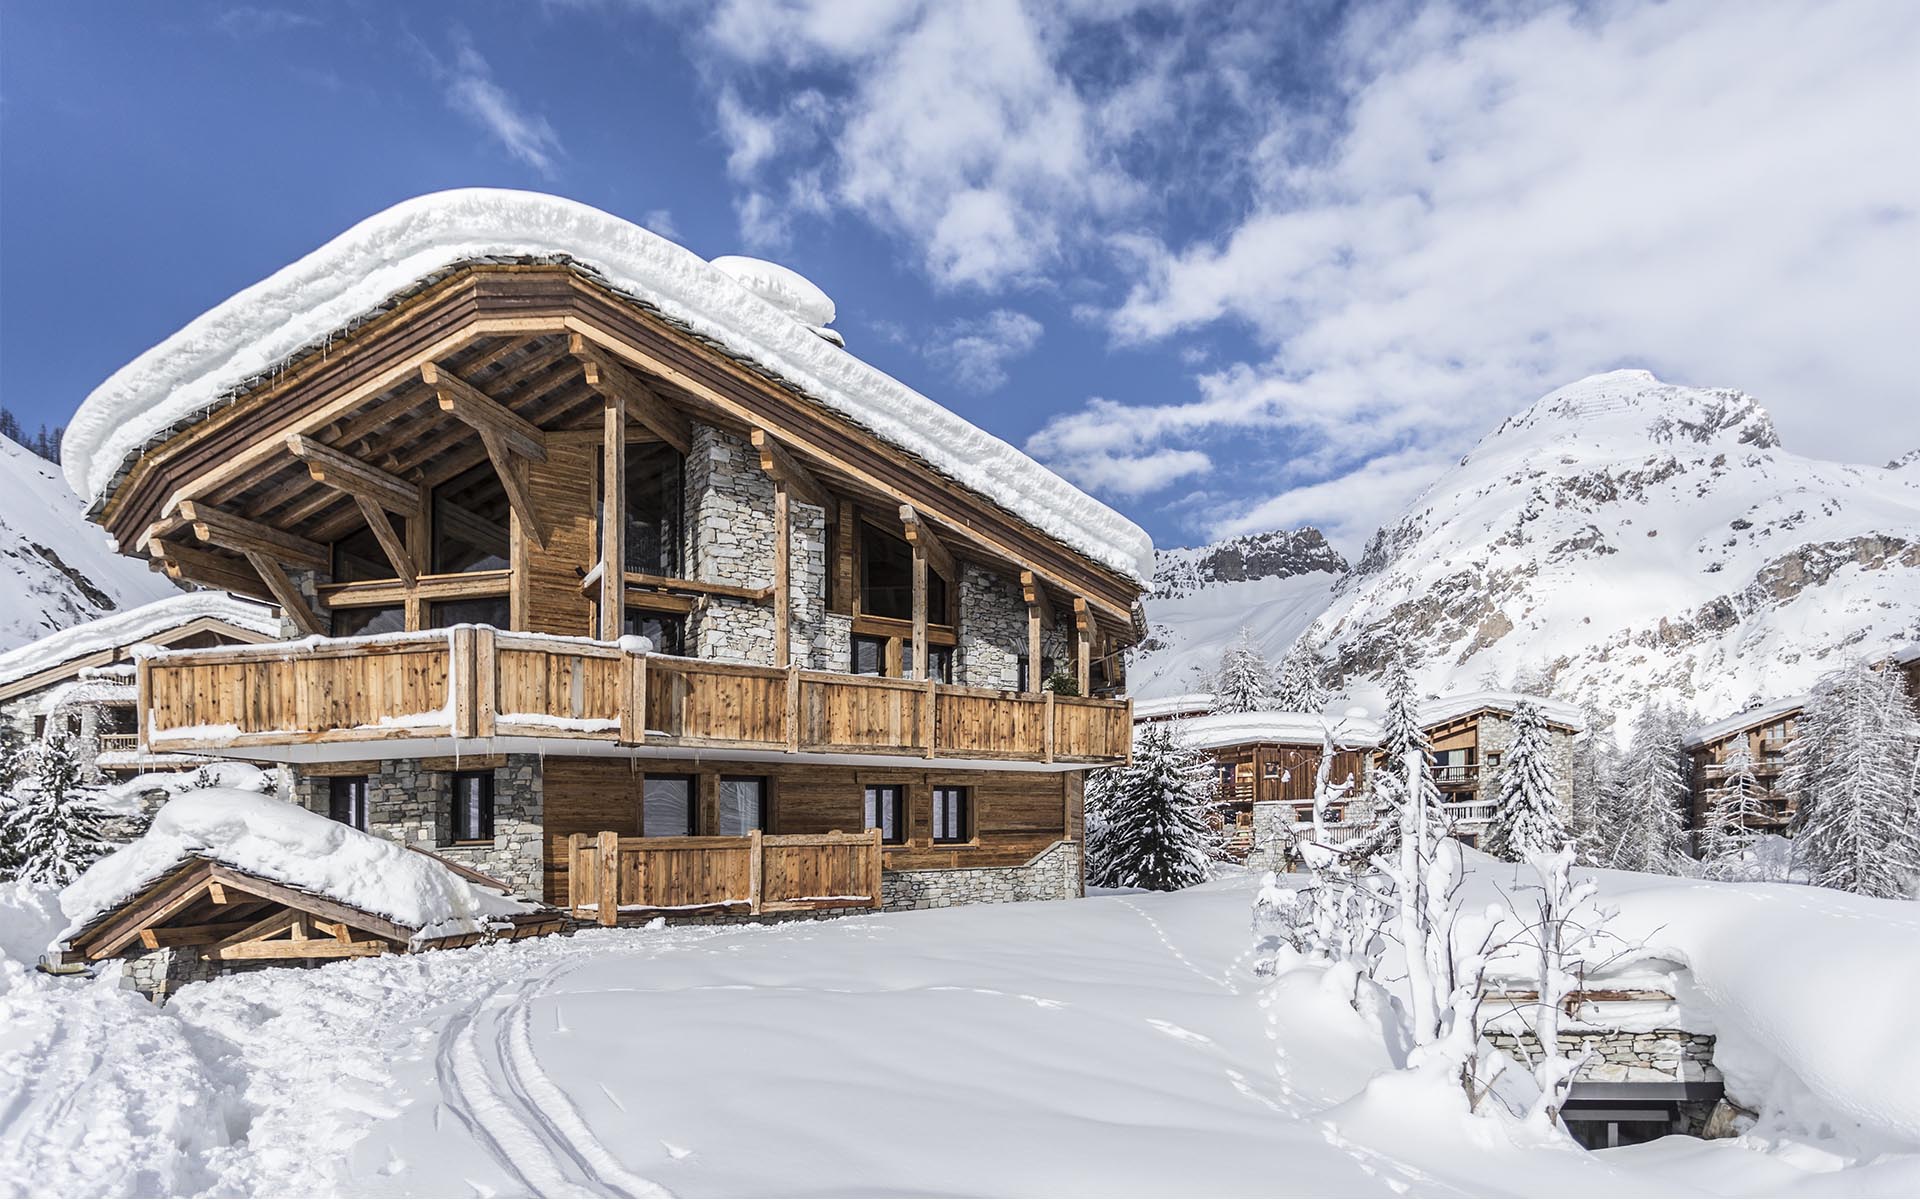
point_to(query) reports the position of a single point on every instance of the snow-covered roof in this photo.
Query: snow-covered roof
(1906, 654)
(1172, 706)
(302, 304)
(1764, 714)
(123, 629)
(1216, 730)
(282, 842)
(1461, 704)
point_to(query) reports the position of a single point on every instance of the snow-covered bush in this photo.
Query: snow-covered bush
(1151, 816)
(1304, 681)
(1854, 767)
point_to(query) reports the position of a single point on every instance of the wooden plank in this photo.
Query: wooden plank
(311, 948)
(514, 481)
(514, 433)
(613, 522)
(161, 901)
(242, 535)
(609, 892)
(188, 935)
(343, 472)
(185, 564)
(390, 541)
(616, 382)
(756, 867)
(306, 902)
(287, 596)
(697, 587)
(782, 467)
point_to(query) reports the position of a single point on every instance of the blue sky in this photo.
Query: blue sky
(1230, 266)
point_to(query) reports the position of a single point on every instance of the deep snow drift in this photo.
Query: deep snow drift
(1116, 1045)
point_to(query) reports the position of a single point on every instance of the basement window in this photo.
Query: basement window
(743, 804)
(667, 806)
(952, 814)
(470, 523)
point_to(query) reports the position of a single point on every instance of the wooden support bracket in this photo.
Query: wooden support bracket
(780, 464)
(643, 404)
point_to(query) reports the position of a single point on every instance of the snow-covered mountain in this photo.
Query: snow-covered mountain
(1278, 554)
(56, 568)
(1619, 539)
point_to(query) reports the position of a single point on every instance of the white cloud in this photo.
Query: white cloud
(472, 92)
(1130, 475)
(247, 20)
(1347, 507)
(975, 350)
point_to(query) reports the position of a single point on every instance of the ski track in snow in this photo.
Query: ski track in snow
(495, 1085)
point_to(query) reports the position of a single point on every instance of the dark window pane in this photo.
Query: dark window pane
(869, 655)
(940, 663)
(667, 805)
(482, 610)
(743, 804)
(473, 806)
(359, 556)
(347, 800)
(950, 816)
(884, 812)
(350, 622)
(470, 523)
(655, 472)
(667, 632)
(886, 579)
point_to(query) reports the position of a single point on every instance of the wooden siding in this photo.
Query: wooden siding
(548, 598)
(608, 875)
(1279, 771)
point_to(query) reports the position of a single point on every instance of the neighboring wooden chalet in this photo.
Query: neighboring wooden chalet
(1906, 660)
(80, 680)
(591, 537)
(1766, 732)
(1274, 758)
(1469, 734)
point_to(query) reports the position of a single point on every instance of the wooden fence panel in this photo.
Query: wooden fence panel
(757, 874)
(990, 724)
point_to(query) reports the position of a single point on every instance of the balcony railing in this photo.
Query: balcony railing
(610, 875)
(476, 682)
(1458, 777)
(119, 743)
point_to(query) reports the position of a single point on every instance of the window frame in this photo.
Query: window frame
(962, 796)
(764, 807)
(873, 818)
(456, 825)
(334, 782)
(693, 802)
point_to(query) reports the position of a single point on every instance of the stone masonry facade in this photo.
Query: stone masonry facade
(413, 805)
(1496, 735)
(1622, 1056)
(1052, 874)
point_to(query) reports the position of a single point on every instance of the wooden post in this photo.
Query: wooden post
(1083, 645)
(782, 573)
(613, 519)
(919, 611)
(929, 717)
(1049, 742)
(875, 857)
(486, 683)
(793, 707)
(460, 682)
(756, 869)
(1034, 681)
(609, 877)
(633, 700)
(576, 859)
(143, 701)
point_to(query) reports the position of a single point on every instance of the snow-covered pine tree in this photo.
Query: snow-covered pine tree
(1644, 811)
(56, 823)
(1154, 828)
(1526, 812)
(1735, 805)
(1301, 683)
(1244, 682)
(15, 761)
(1596, 760)
(1403, 743)
(1854, 768)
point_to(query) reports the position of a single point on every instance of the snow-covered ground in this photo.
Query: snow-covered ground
(1116, 1045)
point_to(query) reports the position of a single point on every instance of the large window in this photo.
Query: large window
(473, 806)
(667, 631)
(869, 655)
(347, 800)
(655, 481)
(481, 610)
(939, 663)
(470, 523)
(886, 579)
(667, 806)
(358, 555)
(1025, 681)
(382, 618)
(952, 815)
(886, 811)
(743, 804)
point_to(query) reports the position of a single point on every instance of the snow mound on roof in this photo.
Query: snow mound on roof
(305, 302)
(1215, 730)
(783, 287)
(1765, 714)
(123, 629)
(1446, 708)
(271, 838)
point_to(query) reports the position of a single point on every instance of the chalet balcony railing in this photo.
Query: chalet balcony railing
(1469, 811)
(477, 682)
(1457, 777)
(609, 876)
(119, 743)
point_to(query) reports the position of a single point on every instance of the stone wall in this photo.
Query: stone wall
(1052, 874)
(1272, 836)
(157, 974)
(412, 805)
(1619, 1056)
(992, 620)
(1496, 736)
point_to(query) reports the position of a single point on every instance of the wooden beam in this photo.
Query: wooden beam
(285, 594)
(1082, 645)
(485, 414)
(920, 536)
(613, 519)
(782, 573)
(1034, 591)
(343, 472)
(388, 537)
(277, 921)
(1039, 617)
(616, 382)
(317, 906)
(311, 948)
(188, 935)
(920, 612)
(185, 564)
(230, 531)
(514, 481)
(846, 524)
(159, 902)
(782, 466)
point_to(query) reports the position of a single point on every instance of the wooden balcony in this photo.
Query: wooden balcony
(473, 682)
(610, 877)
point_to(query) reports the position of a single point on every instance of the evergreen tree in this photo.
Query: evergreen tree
(1301, 684)
(1526, 812)
(1644, 810)
(15, 762)
(56, 824)
(1154, 831)
(1735, 805)
(1244, 681)
(1854, 768)
(1403, 741)
(1596, 762)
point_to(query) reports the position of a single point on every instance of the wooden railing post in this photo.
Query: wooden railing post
(756, 869)
(576, 864)
(793, 707)
(1047, 748)
(486, 682)
(930, 715)
(609, 877)
(459, 682)
(143, 699)
(874, 872)
(633, 700)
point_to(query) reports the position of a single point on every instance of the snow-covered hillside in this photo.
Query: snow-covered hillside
(56, 568)
(1626, 538)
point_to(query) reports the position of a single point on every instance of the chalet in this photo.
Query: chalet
(1470, 732)
(80, 680)
(1906, 660)
(1267, 763)
(593, 543)
(1765, 731)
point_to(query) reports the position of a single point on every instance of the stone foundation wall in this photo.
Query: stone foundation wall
(157, 974)
(1272, 836)
(1657, 1056)
(1053, 874)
